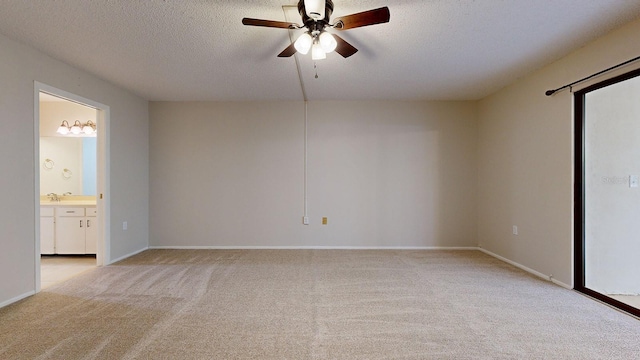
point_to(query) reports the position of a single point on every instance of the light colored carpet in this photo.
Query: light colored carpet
(313, 304)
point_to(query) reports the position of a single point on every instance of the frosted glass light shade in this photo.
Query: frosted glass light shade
(76, 128)
(88, 128)
(64, 128)
(317, 53)
(328, 42)
(303, 44)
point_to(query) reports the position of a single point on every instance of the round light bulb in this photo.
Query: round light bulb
(328, 42)
(303, 44)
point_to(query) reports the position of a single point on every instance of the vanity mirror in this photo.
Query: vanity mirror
(67, 161)
(68, 165)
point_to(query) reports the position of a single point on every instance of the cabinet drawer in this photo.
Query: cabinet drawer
(46, 211)
(69, 211)
(92, 212)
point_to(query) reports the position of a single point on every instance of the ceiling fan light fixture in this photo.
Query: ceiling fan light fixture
(317, 53)
(328, 42)
(303, 44)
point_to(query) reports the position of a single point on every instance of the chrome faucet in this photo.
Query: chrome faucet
(53, 196)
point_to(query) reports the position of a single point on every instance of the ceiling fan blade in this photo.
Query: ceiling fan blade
(365, 18)
(344, 48)
(269, 23)
(289, 51)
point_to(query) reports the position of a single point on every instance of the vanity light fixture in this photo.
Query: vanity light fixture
(78, 128)
(64, 128)
(89, 128)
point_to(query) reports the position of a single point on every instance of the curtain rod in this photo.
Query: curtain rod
(551, 92)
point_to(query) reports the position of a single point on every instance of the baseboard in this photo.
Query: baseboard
(128, 255)
(314, 247)
(527, 269)
(17, 298)
(560, 283)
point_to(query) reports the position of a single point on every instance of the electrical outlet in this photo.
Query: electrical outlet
(633, 181)
(515, 230)
(124, 225)
(305, 220)
(324, 221)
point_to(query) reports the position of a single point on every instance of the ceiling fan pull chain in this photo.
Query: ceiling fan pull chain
(315, 67)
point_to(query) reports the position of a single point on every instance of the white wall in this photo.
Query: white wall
(386, 174)
(612, 206)
(20, 66)
(525, 150)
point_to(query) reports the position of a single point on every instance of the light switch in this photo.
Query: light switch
(633, 181)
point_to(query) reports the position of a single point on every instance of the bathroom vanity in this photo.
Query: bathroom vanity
(68, 227)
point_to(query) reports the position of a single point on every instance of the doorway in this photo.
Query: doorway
(71, 173)
(607, 191)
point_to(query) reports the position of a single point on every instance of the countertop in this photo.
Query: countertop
(69, 201)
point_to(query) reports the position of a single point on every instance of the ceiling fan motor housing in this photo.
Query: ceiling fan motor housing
(312, 16)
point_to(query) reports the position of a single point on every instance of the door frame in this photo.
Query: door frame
(580, 195)
(103, 198)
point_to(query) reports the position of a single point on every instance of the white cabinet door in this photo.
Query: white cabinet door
(76, 230)
(47, 233)
(70, 235)
(91, 235)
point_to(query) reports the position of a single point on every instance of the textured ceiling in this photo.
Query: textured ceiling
(182, 50)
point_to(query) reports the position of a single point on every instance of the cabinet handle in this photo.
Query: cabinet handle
(88, 223)
(80, 223)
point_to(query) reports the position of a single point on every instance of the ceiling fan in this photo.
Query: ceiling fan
(315, 18)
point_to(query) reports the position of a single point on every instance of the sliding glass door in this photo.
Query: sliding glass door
(608, 191)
